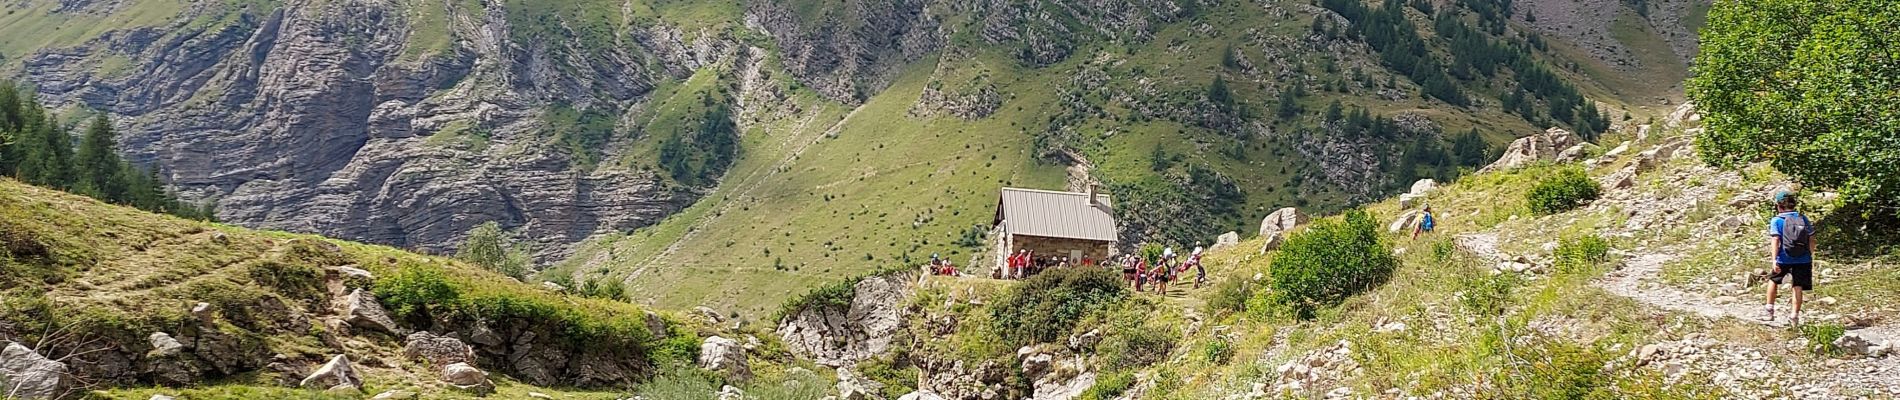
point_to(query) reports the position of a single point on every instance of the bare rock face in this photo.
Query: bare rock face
(852, 386)
(724, 355)
(856, 48)
(337, 374)
(314, 116)
(25, 374)
(1531, 149)
(1226, 240)
(841, 337)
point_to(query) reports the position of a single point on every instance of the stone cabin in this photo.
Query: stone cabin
(1055, 224)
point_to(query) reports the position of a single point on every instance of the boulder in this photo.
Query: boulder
(395, 395)
(25, 374)
(467, 378)
(1852, 344)
(920, 395)
(707, 313)
(351, 272)
(728, 392)
(438, 351)
(1281, 221)
(553, 287)
(164, 397)
(1621, 179)
(361, 310)
(842, 336)
(724, 355)
(1423, 186)
(1083, 342)
(1573, 154)
(163, 345)
(1683, 115)
(336, 374)
(1618, 151)
(655, 324)
(1274, 227)
(1403, 222)
(539, 395)
(202, 312)
(852, 386)
(1226, 240)
(1408, 200)
(1531, 149)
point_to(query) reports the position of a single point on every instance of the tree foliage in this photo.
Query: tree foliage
(35, 148)
(487, 246)
(1330, 261)
(1812, 87)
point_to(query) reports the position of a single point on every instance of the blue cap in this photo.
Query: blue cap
(1783, 196)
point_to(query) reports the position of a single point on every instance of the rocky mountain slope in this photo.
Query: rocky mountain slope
(101, 301)
(1498, 303)
(406, 122)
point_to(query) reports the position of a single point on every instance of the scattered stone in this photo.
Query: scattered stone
(708, 314)
(467, 378)
(920, 395)
(1826, 300)
(395, 395)
(1618, 151)
(1647, 353)
(163, 345)
(724, 355)
(730, 392)
(540, 395)
(352, 272)
(437, 350)
(202, 311)
(1085, 341)
(1226, 240)
(333, 375)
(1423, 186)
(161, 397)
(852, 386)
(1531, 149)
(25, 374)
(362, 310)
(220, 238)
(553, 287)
(1852, 344)
(1572, 154)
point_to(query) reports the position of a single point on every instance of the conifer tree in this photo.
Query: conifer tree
(96, 165)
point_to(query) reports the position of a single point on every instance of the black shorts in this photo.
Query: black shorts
(1803, 275)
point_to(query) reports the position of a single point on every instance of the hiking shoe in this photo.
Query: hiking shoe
(1768, 314)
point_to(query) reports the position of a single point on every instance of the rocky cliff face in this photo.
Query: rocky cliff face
(319, 117)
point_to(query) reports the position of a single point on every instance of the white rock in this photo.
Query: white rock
(921, 395)
(163, 345)
(540, 395)
(467, 377)
(337, 373)
(360, 309)
(1851, 343)
(25, 374)
(724, 355)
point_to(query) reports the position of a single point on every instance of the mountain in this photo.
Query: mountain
(736, 153)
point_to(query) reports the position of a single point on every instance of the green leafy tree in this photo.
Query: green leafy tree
(1812, 87)
(487, 246)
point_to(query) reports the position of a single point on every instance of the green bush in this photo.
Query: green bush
(1230, 295)
(1581, 254)
(1330, 261)
(1109, 386)
(288, 278)
(411, 292)
(1045, 308)
(1821, 338)
(899, 377)
(1217, 351)
(1564, 190)
(1132, 336)
(1486, 294)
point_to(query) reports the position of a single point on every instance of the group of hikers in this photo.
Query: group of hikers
(1025, 263)
(1166, 268)
(1142, 273)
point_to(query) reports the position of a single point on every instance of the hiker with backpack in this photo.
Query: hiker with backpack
(1791, 243)
(1426, 223)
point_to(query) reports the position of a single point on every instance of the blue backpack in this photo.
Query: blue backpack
(1428, 223)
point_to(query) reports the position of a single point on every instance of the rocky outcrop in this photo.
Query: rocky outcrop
(25, 374)
(954, 379)
(852, 386)
(724, 355)
(1534, 148)
(850, 50)
(1275, 226)
(837, 337)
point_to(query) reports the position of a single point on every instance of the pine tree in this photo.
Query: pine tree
(45, 149)
(9, 127)
(96, 165)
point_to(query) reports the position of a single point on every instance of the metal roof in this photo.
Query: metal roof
(1056, 214)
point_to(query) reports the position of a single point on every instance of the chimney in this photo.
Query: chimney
(1092, 199)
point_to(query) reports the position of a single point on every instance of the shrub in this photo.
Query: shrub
(1217, 351)
(1109, 386)
(287, 278)
(899, 377)
(1564, 190)
(487, 246)
(1486, 294)
(1330, 261)
(1581, 254)
(1046, 307)
(413, 291)
(1133, 338)
(1230, 295)
(1821, 338)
